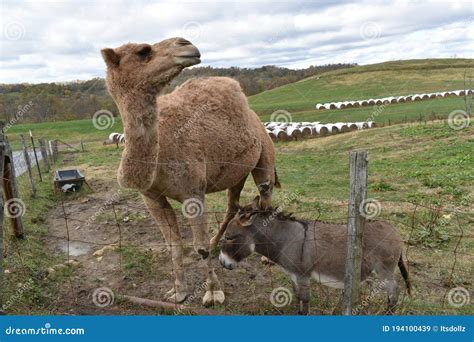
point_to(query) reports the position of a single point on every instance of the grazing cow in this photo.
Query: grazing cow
(313, 249)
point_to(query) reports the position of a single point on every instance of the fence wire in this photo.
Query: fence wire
(124, 246)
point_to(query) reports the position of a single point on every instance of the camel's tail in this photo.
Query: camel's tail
(277, 182)
(405, 275)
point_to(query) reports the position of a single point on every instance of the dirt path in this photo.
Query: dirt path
(142, 267)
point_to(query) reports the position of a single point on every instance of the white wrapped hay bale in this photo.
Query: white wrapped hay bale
(352, 126)
(272, 136)
(342, 127)
(306, 130)
(294, 132)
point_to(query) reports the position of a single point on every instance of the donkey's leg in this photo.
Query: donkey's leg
(233, 197)
(385, 272)
(199, 226)
(164, 215)
(303, 294)
(393, 291)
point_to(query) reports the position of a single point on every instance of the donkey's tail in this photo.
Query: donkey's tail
(277, 182)
(404, 272)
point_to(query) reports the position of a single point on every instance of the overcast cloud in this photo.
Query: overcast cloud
(60, 40)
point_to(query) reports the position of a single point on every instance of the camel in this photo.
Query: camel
(201, 138)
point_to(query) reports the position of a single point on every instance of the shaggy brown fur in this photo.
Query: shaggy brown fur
(201, 138)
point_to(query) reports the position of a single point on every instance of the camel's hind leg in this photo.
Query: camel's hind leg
(264, 175)
(198, 222)
(164, 215)
(233, 197)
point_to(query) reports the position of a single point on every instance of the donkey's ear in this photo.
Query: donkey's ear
(256, 203)
(247, 219)
(237, 205)
(111, 58)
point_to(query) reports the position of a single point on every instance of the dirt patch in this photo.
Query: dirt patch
(120, 247)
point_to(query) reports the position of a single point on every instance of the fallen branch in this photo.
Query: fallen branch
(170, 306)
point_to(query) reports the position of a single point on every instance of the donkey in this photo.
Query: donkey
(313, 249)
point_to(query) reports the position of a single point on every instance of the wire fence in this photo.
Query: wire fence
(115, 259)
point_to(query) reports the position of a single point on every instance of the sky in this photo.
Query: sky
(58, 41)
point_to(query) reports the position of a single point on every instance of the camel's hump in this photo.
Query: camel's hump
(210, 83)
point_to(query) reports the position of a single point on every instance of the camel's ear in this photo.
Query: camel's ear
(111, 58)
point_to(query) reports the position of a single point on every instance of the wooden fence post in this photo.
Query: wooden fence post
(26, 155)
(55, 149)
(14, 204)
(2, 159)
(355, 227)
(44, 153)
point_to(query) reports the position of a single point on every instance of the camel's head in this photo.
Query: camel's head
(147, 67)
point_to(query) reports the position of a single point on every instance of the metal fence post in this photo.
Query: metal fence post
(26, 155)
(44, 153)
(355, 227)
(36, 156)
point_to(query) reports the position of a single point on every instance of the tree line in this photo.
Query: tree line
(43, 102)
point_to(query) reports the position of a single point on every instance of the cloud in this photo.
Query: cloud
(60, 41)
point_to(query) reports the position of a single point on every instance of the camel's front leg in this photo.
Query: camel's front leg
(164, 215)
(194, 210)
(233, 197)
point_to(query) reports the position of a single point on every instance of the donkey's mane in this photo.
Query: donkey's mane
(281, 215)
(276, 213)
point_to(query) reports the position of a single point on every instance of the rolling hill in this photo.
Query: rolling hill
(370, 81)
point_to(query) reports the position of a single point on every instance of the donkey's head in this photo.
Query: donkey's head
(239, 240)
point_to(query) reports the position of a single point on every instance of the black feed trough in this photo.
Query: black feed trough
(69, 180)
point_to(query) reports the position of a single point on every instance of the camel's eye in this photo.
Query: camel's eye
(230, 238)
(144, 51)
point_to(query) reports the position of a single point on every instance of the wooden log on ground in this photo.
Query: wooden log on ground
(170, 306)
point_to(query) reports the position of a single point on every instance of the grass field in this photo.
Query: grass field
(430, 165)
(420, 174)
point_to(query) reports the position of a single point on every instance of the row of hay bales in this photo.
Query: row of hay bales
(279, 131)
(287, 131)
(391, 99)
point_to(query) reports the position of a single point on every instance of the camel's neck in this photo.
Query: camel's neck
(139, 160)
